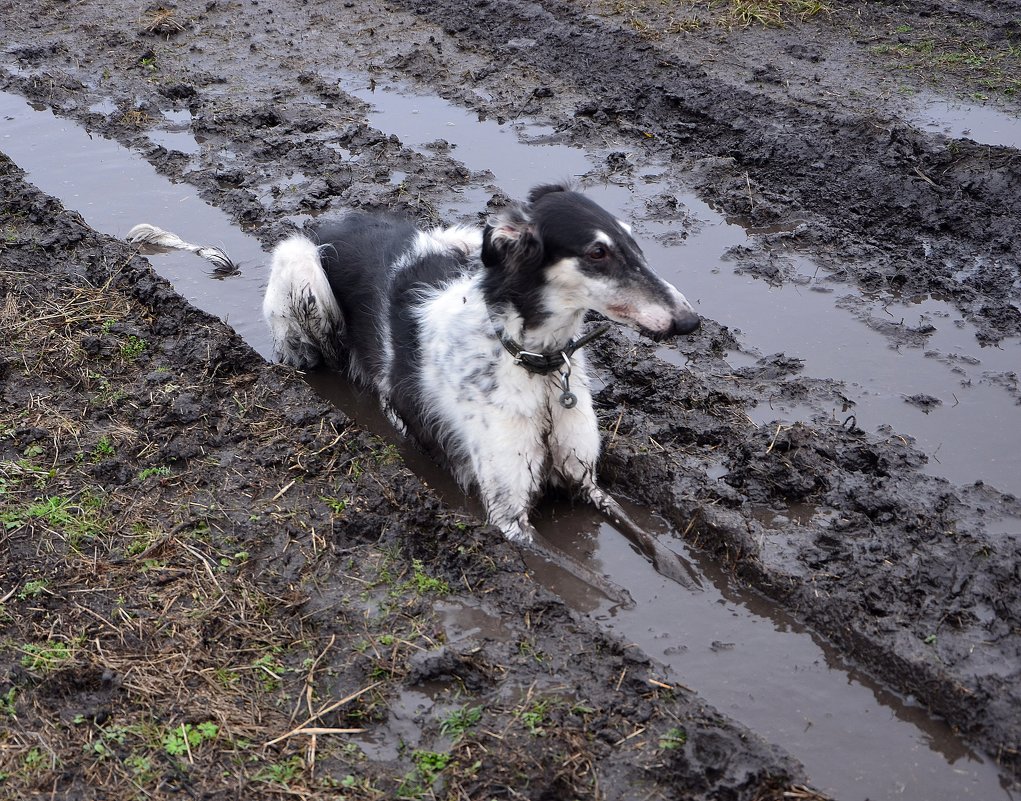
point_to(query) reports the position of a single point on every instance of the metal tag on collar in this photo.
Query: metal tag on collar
(567, 398)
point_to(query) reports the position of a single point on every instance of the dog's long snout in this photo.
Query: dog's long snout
(684, 318)
(685, 322)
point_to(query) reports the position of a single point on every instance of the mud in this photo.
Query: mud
(355, 575)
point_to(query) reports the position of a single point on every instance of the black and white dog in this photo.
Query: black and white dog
(471, 337)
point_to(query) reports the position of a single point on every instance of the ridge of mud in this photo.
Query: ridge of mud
(194, 542)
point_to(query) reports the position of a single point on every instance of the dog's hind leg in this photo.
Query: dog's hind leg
(304, 318)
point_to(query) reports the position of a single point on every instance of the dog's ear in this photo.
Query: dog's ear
(509, 240)
(546, 189)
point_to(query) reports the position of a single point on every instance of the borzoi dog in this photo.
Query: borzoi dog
(472, 337)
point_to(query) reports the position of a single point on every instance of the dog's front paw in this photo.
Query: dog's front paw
(519, 532)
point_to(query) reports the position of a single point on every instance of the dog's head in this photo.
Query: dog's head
(564, 253)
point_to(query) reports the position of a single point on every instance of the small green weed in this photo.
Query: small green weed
(337, 505)
(45, 658)
(33, 760)
(428, 765)
(425, 584)
(388, 454)
(32, 589)
(133, 348)
(104, 450)
(141, 767)
(269, 671)
(281, 772)
(77, 521)
(228, 562)
(672, 739)
(182, 739)
(458, 721)
(534, 717)
(7, 703)
(162, 472)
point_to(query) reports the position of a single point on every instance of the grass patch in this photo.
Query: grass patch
(458, 721)
(76, 521)
(47, 657)
(184, 739)
(654, 18)
(932, 55)
(133, 348)
(672, 739)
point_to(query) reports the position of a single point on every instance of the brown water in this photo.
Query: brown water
(737, 650)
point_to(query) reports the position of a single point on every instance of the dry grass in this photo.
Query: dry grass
(161, 22)
(655, 18)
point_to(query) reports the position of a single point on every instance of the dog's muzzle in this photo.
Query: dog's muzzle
(685, 323)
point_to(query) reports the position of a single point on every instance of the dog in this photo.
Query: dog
(471, 337)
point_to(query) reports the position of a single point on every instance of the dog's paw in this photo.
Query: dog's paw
(519, 532)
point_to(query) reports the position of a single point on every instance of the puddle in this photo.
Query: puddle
(981, 123)
(972, 434)
(737, 651)
(410, 712)
(466, 618)
(753, 662)
(517, 155)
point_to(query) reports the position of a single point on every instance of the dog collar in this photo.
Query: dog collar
(546, 363)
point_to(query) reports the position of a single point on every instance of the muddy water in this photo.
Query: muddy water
(753, 662)
(114, 189)
(979, 122)
(738, 652)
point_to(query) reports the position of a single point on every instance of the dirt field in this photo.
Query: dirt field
(214, 584)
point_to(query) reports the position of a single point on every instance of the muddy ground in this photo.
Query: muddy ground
(199, 556)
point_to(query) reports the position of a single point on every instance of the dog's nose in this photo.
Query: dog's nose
(686, 322)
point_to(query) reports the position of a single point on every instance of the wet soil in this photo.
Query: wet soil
(191, 538)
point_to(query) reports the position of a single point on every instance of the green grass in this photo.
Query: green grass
(104, 450)
(133, 348)
(458, 721)
(281, 772)
(183, 739)
(425, 584)
(78, 521)
(672, 739)
(32, 589)
(535, 717)
(46, 658)
(149, 472)
(337, 505)
(7, 707)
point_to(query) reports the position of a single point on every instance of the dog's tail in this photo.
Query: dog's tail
(145, 234)
(302, 312)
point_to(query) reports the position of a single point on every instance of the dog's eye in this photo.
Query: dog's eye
(598, 253)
